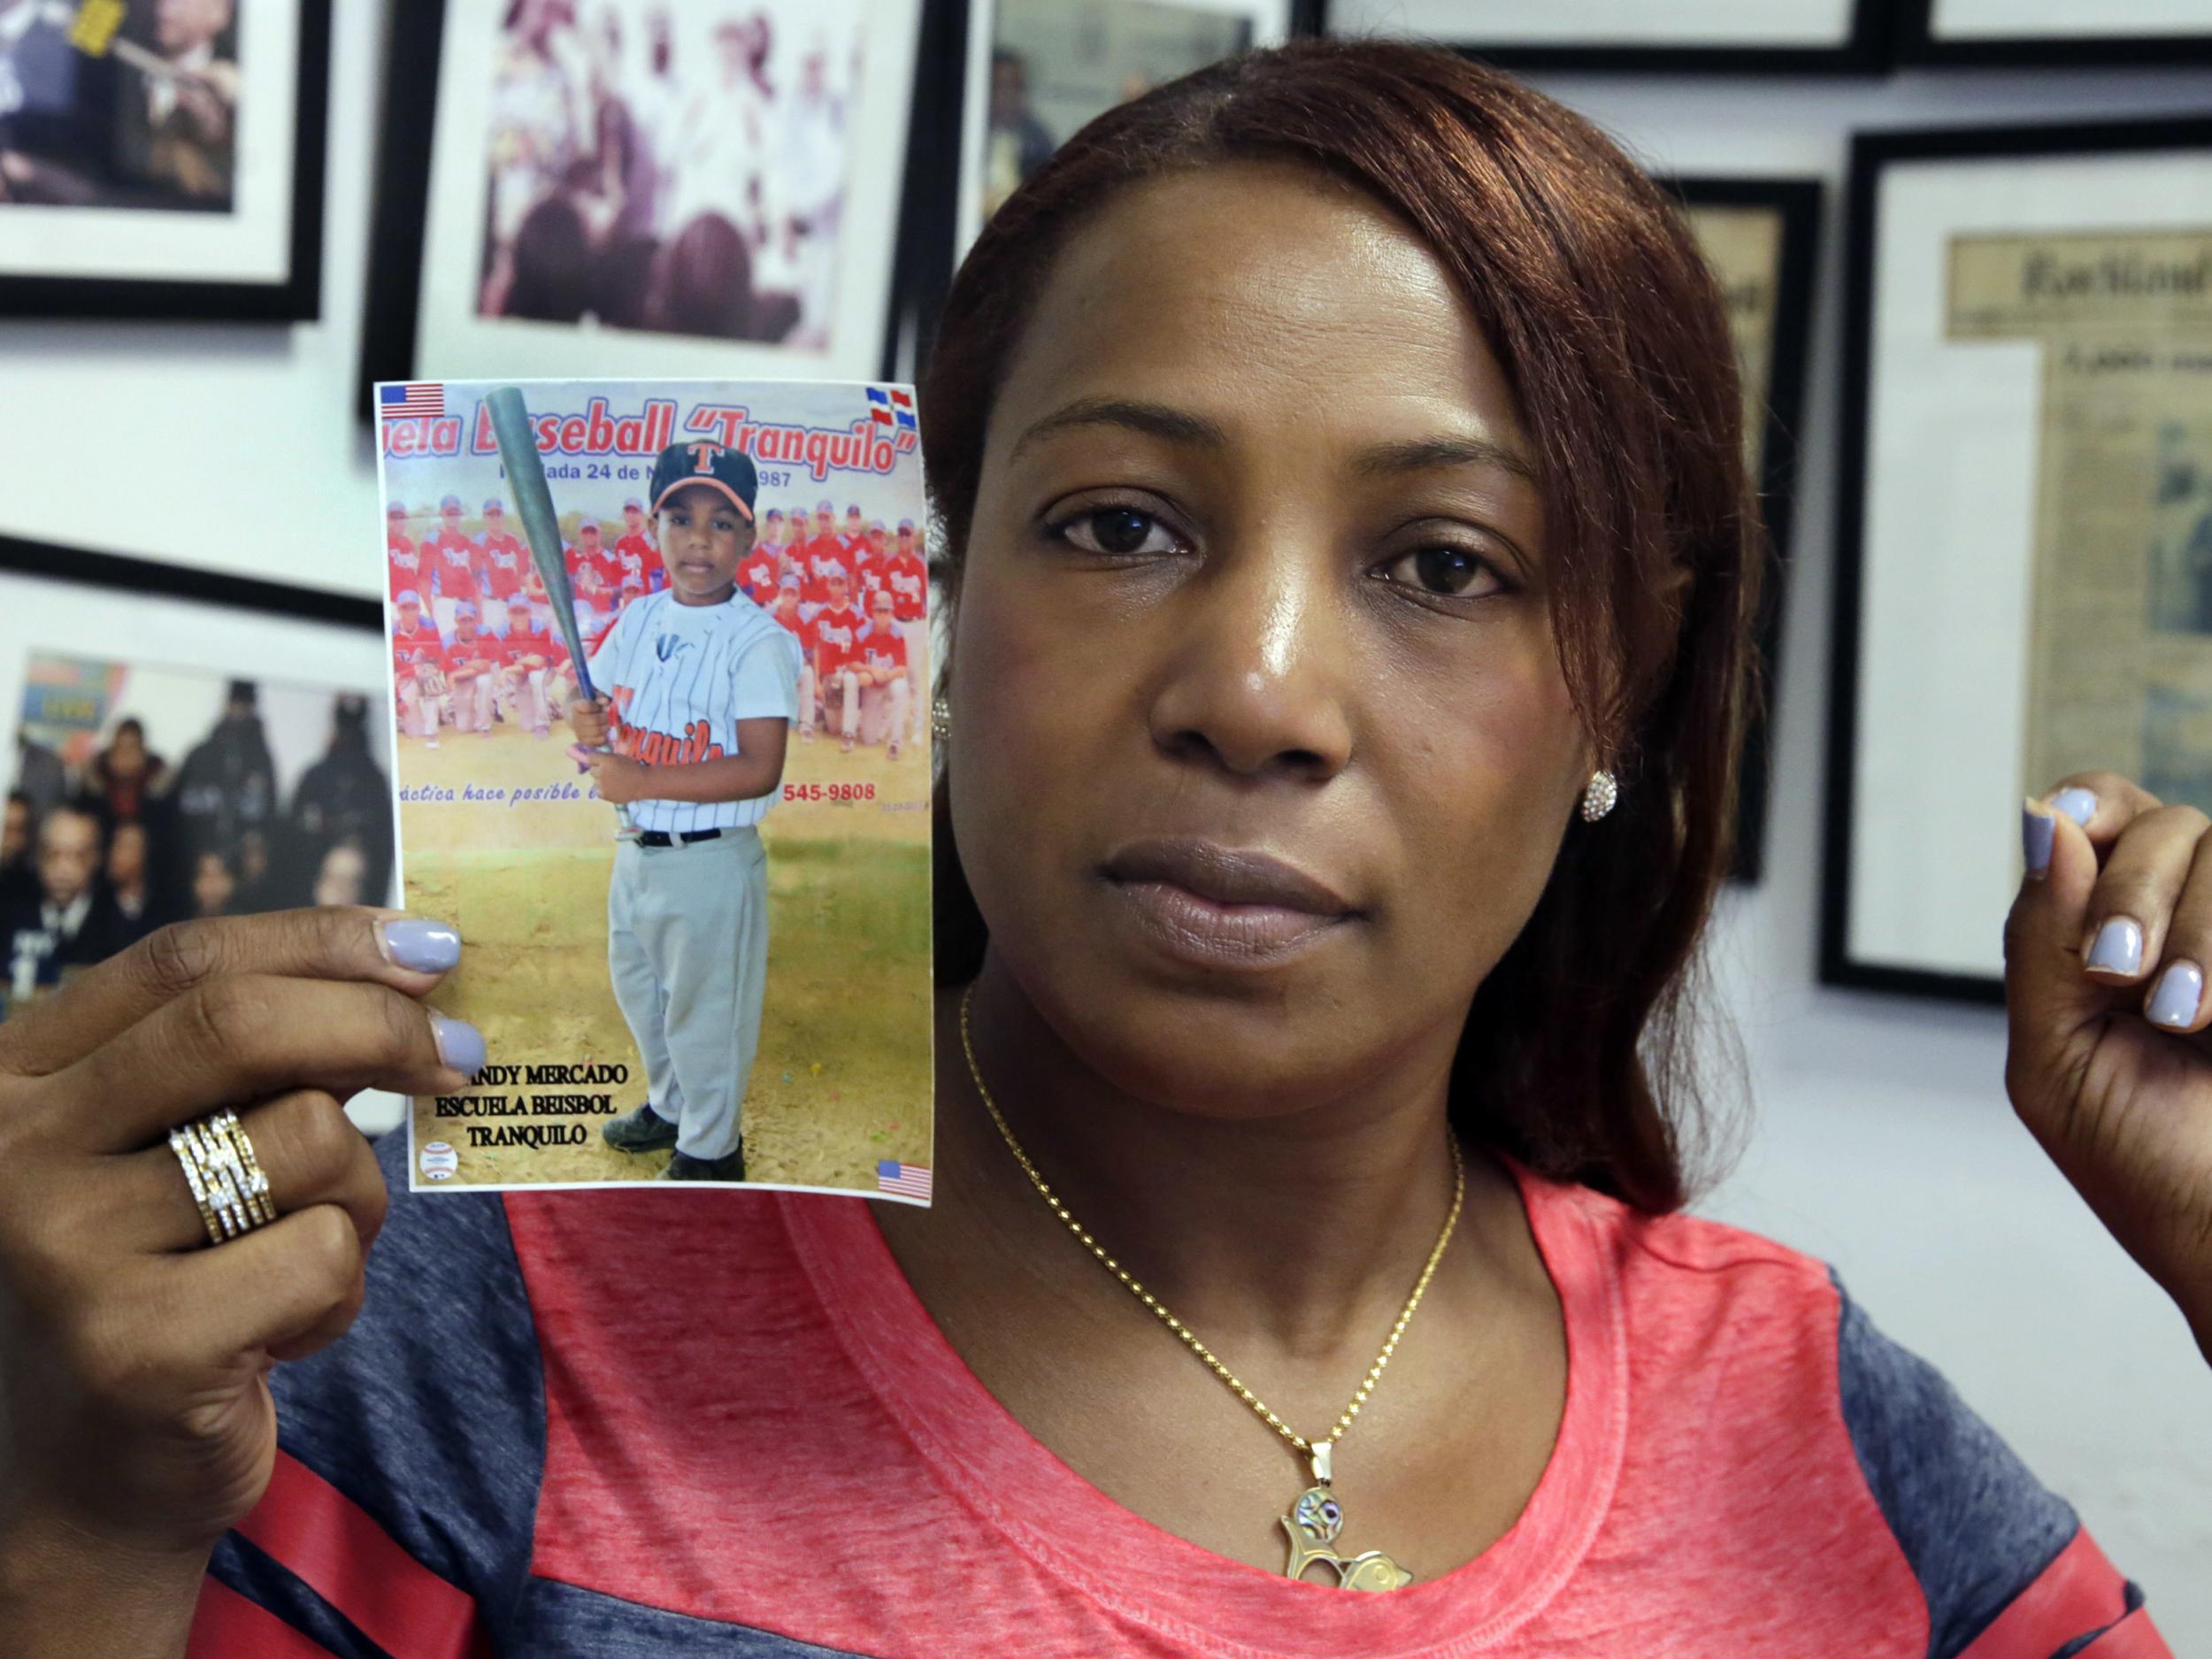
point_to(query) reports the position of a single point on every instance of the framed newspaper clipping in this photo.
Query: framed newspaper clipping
(2024, 522)
(1733, 36)
(2152, 32)
(1760, 236)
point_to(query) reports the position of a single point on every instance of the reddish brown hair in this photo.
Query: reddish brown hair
(1590, 289)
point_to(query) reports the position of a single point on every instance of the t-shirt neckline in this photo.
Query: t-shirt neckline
(1119, 1559)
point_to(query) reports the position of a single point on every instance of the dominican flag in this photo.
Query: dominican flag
(902, 1181)
(415, 397)
(891, 407)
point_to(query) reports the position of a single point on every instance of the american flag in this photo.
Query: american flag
(415, 397)
(891, 407)
(902, 1181)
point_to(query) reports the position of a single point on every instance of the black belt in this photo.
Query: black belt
(661, 838)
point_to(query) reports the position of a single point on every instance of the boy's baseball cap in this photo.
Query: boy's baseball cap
(463, 608)
(791, 580)
(715, 465)
(451, 504)
(905, 525)
(408, 597)
(629, 502)
(518, 602)
(496, 505)
(394, 510)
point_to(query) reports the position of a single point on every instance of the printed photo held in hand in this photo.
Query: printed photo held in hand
(657, 657)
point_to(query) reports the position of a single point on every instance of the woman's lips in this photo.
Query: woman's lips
(1219, 907)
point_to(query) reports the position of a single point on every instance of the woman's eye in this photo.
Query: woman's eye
(1119, 530)
(1451, 572)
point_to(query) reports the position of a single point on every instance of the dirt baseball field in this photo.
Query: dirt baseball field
(500, 837)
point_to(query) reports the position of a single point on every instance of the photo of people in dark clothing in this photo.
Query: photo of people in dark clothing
(129, 104)
(279, 797)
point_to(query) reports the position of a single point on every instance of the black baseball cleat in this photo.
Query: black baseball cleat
(684, 1167)
(643, 1130)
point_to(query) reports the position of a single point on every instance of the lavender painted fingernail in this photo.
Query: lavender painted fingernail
(460, 1045)
(2077, 802)
(2179, 990)
(2037, 830)
(2119, 947)
(423, 946)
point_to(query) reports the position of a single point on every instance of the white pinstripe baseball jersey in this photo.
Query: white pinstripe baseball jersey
(681, 678)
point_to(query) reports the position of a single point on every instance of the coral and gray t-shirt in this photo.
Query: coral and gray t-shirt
(514, 1452)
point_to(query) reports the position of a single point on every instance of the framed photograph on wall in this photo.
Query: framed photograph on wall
(1038, 70)
(1818, 37)
(2151, 32)
(163, 161)
(181, 743)
(712, 190)
(1761, 236)
(2024, 523)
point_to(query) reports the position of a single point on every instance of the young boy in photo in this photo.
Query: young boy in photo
(698, 687)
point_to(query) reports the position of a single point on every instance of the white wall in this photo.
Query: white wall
(1883, 1142)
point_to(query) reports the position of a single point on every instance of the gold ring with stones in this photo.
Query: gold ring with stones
(227, 1179)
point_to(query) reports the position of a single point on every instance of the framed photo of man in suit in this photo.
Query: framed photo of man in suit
(162, 157)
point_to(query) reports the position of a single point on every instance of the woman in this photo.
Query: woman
(1340, 471)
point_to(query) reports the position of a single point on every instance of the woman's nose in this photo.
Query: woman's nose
(1259, 669)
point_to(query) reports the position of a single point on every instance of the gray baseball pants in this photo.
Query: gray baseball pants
(687, 950)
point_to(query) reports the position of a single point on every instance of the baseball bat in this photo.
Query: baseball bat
(542, 528)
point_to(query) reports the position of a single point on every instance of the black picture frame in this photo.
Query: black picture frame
(401, 192)
(1866, 52)
(1797, 204)
(125, 572)
(296, 298)
(1918, 43)
(1872, 155)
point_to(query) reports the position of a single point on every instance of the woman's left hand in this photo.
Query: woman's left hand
(2108, 1063)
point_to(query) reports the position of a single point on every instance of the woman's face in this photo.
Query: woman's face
(1257, 574)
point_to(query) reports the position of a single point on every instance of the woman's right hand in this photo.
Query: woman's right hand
(135, 1419)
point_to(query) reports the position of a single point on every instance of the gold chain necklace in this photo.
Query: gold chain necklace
(1316, 1517)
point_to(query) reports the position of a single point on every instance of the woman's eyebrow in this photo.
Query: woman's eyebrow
(1409, 455)
(1177, 425)
(1154, 419)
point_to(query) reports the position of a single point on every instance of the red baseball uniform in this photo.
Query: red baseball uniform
(636, 556)
(815, 572)
(757, 576)
(405, 562)
(453, 559)
(411, 645)
(908, 578)
(803, 632)
(503, 560)
(882, 652)
(521, 643)
(461, 653)
(837, 639)
(594, 576)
